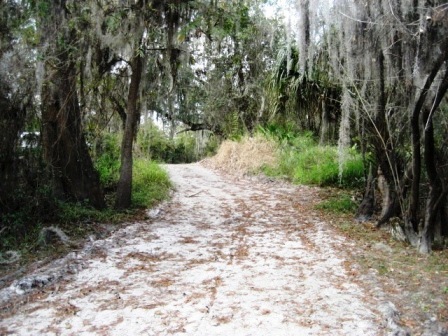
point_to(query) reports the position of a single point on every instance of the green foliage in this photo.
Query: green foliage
(341, 203)
(319, 165)
(288, 134)
(18, 225)
(107, 162)
(303, 161)
(79, 212)
(184, 149)
(150, 183)
(232, 126)
(316, 165)
(295, 95)
(211, 146)
(152, 143)
(19, 229)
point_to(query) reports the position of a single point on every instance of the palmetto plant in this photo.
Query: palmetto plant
(301, 97)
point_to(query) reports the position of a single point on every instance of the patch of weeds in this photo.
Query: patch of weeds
(108, 161)
(303, 161)
(72, 212)
(382, 269)
(445, 290)
(342, 203)
(319, 165)
(151, 183)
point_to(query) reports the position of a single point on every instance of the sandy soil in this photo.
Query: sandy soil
(224, 256)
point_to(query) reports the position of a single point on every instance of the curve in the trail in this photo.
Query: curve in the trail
(224, 256)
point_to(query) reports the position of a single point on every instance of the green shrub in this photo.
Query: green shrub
(184, 149)
(303, 161)
(353, 171)
(285, 133)
(150, 183)
(107, 162)
(211, 147)
(319, 165)
(36, 208)
(154, 144)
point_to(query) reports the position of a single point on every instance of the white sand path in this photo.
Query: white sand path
(223, 257)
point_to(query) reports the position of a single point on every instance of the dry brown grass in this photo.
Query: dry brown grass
(244, 157)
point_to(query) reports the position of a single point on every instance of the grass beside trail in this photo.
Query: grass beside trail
(78, 220)
(296, 157)
(150, 185)
(303, 161)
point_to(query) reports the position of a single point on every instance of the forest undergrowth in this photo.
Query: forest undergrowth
(79, 223)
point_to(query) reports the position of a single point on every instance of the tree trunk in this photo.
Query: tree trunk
(367, 206)
(325, 124)
(65, 150)
(384, 152)
(436, 187)
(414, 206)
(124, 190)
(388, 199)
(12, 119)
(431, 211)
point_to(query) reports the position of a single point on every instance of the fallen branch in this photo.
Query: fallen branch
(195, 194)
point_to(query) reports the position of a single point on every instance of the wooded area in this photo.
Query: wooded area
(370, 76)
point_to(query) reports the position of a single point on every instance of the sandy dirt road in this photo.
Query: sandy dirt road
(224, 256)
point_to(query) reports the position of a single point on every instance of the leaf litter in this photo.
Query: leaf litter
(241, 257)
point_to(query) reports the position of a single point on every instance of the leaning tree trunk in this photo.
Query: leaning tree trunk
(436, 187)
(69, 164)
(413, 215)
(434, 198)
(124, 190)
